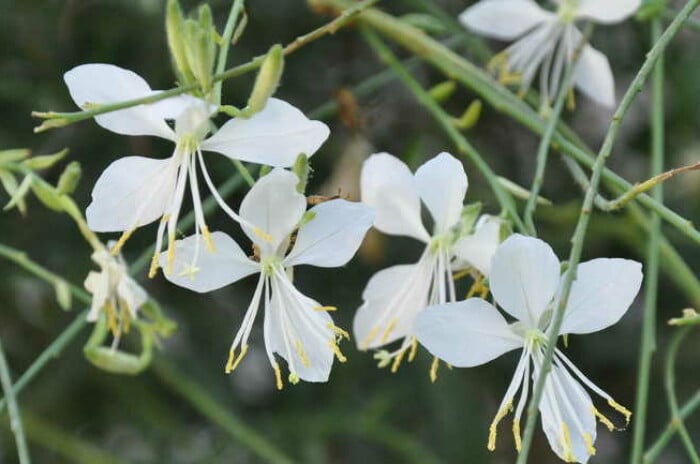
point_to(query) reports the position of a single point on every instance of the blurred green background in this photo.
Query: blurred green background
(363, 415)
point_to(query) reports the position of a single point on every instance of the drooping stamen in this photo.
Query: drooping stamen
(278, 375)
(434, 369)
(233, 360)
(155, 259)
(493, 428)
(397, 361)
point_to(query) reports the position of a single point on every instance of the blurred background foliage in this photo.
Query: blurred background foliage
(77, 413)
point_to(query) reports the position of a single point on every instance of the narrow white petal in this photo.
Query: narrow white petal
(275, 136)
(389, 187)
(442, 184)
(606, 11)
(594, 77)
(465, 334)
(131, 192)
(602, 293)
(504, 19)
(274, 205)
(333, 236)
(101, 84)
(477, 249)
(131, 293)
(198, 269)
(524, 277)
(391, 300)
(298, 332)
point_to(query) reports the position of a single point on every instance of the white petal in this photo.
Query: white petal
(392, 299)
(565, 402)
(275, 136)
(274, 205)
(606, 11)
(477, 250)
(298, 332)
(524, 277)
(131, 293)
(602, 293)
(97, 284)
(389, 187)
(504, 19)
(465, 334)
(594, 77)
(101, 84)
(442, 184)
(131, 192)
(333, 236)
(209, 270)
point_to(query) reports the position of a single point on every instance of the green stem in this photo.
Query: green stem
(445, 122)
(584, 218)
(692, 24)
(648, 336)
(244, 172)
(461, 70)
(198, 397)
(546, 140)
(670, 386)
(13, 409)
(229, 29)
(56, 119)
(655, 450)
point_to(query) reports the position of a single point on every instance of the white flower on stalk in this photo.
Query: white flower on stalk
(394, 296)
(134, 191)
(297, 328)
(525, 281)
(114, 292)
(546, 41)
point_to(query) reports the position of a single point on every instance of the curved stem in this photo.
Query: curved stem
(229, 29)
(446, 123)
(664, 438)
(670, 386)
(584, 218)
(648, 336)
(13, 408)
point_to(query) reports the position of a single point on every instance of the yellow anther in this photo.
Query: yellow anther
(388, 330)
(262, 234)
(516, 435)
(414, 349)
(155, 264)
(571, 100)
(493, 428)
(461, 274)
(126, 319)
(604, 420)
(112, 321)
(338, 331)
(302, 355)
(369, 338)
(397, 361)
(293, 378)
(434, 369)
(171, 254)
(589, 444)
(233, 360)
(120, 243)
(566, 443)
(278, 376)
(325, 308)
(336, 351)
(208, 240)
(621, 409)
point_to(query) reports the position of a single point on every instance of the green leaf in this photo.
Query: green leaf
(10, 156)
(63, 294)
(44, 161)
(18, 196)
(70, 177)
(48, 195)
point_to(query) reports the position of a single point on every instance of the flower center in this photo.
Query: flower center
(269, 263)
(568, 10)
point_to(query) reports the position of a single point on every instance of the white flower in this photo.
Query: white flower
(525, 281)
(113, 291)
(134, 191)
(297, 328)
(547, 41)
(394, 296)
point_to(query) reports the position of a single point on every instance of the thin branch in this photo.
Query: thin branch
(655, 450)
(229, 29)
(13, 409)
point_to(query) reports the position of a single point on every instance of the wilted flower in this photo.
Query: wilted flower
(394, 296)
(525, 281)
(297, 328)
(134, 191)
(547, 41)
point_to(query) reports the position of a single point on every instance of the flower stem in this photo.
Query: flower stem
(13, 409)
(670, 386)
(672, 427)
(584, 218)
(445, 122)
(231, 23)
(648, 336)
(546, 140)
